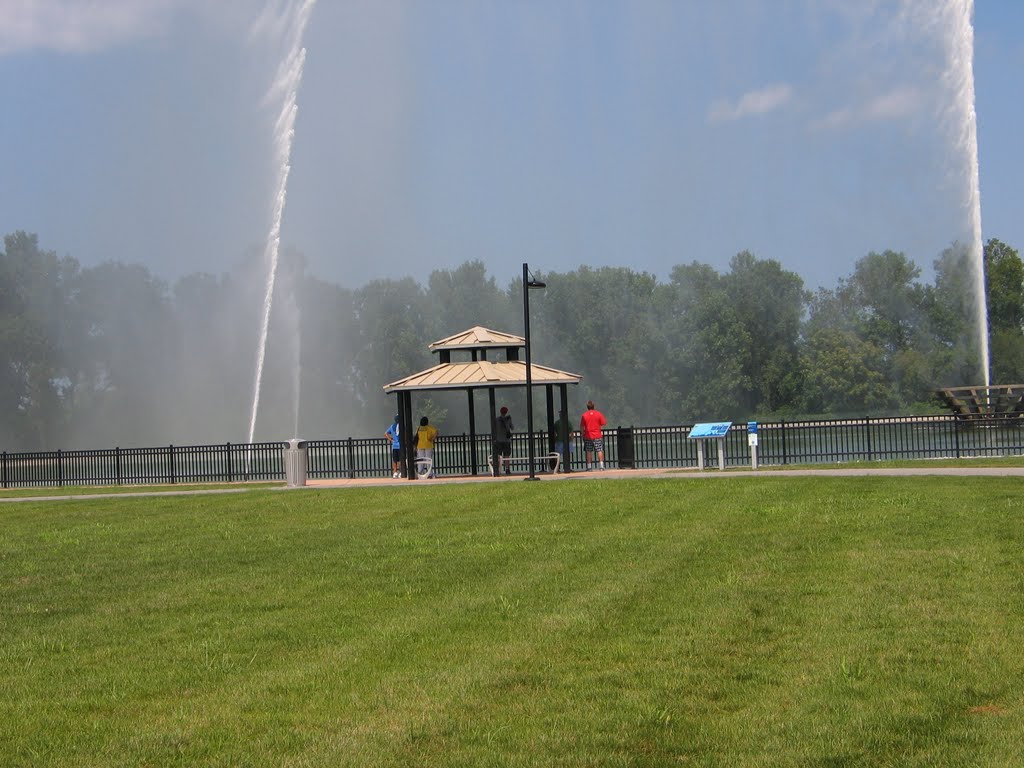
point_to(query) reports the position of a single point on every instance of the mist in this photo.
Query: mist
(432, 136)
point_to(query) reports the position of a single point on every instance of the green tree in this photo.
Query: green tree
(599, 323)
(952, 314)
(1004, 282)
(843, 374)
(37, 293)
(704, 373)
(127, 355)
(390, 343)
(769, 303)
(464, 297)
(883, 305)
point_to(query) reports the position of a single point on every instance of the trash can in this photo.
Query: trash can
(624, 447)
(295, 463)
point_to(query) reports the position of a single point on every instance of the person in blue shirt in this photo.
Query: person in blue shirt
(396, 449)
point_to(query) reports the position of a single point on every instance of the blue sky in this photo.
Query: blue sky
(643, 133)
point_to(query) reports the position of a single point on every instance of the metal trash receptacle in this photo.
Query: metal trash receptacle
(624, 447)
(296, 463)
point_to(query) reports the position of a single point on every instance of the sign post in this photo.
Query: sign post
(752, 442)
(716, 430)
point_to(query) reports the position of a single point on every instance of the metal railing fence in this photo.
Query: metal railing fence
(170, 464)
(779, 443)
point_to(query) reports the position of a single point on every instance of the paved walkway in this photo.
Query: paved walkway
(688, 473)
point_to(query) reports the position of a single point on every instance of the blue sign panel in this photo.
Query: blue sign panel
(751, 427)
(711, 429)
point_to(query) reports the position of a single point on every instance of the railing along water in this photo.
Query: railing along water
(811, 441)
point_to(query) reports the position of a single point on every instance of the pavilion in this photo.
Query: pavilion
(493, 364)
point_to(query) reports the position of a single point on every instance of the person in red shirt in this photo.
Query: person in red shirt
(590, 427)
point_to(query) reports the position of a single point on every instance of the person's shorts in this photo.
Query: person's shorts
(396, 454)
(597, 444)
(504, 449)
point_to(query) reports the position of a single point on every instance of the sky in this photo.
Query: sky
(639, 133)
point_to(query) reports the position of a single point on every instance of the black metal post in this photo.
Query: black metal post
(495, 456)
(472, 432)
(527, 285)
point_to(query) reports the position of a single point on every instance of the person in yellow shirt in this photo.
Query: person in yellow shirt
(425, 437)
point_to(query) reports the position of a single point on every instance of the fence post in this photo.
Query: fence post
(170, 461)
(5, 469)
(785, 456)
(956, 432)
(117, 464)
(351, 458)
(227, 448)
(867, 434)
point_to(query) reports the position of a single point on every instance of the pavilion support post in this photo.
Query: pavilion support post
(407, 434)
(495, 459)
(472, 432)
(563, 413)
(549, 433)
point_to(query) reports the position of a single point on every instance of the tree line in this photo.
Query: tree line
(114, 355)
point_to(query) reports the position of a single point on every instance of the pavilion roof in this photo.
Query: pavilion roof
(478, 337)
(481, 374)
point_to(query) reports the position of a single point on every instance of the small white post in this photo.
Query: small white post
(752, 442)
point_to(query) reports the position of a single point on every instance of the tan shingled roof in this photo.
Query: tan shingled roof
(483, 373)
(478, 337)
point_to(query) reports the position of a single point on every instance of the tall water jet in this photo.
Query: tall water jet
(958, 18)
(285, 88)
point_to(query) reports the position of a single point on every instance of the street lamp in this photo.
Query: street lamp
(529, 283)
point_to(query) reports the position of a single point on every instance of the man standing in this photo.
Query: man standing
(396, 449)
(503, 436)
(590, 427)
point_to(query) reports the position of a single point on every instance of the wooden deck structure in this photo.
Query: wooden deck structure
(979, 403)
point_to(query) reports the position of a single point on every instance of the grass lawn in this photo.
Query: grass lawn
(96, 490)
(749, 622)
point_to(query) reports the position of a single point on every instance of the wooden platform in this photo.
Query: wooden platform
(996, 401)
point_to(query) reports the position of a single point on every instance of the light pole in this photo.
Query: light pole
(528, 283)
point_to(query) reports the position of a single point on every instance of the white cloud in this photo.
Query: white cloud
(752, 103)
(897, 104)
(74, 26)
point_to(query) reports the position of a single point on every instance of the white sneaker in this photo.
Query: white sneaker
(395, 476)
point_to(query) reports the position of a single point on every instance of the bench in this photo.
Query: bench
(544, 460)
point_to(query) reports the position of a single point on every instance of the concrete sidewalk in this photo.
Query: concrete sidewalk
(683, 473)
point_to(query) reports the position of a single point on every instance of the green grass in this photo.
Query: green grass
(95, 490)
(760, 622)
(967, 463)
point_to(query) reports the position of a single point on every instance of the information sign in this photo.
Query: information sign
(710, 429)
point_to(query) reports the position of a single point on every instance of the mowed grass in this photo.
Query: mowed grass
(101, 490)
(733, 622)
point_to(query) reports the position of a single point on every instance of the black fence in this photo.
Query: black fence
(171, 464)
(779, 443)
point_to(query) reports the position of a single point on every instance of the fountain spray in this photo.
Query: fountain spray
(285, 87)
(959, 76)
